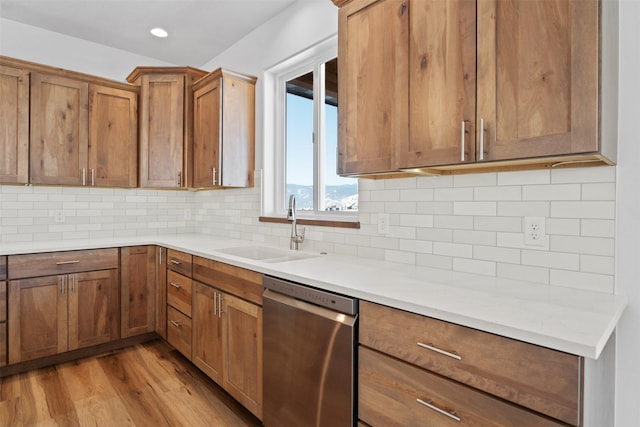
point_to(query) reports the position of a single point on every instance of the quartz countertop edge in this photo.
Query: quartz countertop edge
(570, 320)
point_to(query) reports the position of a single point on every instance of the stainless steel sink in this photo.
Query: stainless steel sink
(266, 254)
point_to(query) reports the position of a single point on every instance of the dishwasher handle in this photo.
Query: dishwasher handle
(346, 319)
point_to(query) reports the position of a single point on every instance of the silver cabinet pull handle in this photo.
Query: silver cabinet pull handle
(67, 262)
(175, 285)
(431, 347)
(219, 305)
(462, 132)
(84, 176)
(481, 139)
(176, 324)
(176, 262)
(179, 179)
(160, 258)
(73, 283)
(62, 291)
(93, 177)
(213, 176)
(215, 296)
(429, 404)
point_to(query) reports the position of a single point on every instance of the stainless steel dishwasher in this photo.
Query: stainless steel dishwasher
(309, 338)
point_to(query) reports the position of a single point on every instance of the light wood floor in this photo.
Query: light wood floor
(147, 385)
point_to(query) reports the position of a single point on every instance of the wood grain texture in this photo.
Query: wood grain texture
(179, 262)
(207, 135)
(389, 389)
(179, 330)
(3, 343)
(137, 290)
(45, 264)
(538, 69)
(441, 84)
(246, 284)
(372, 73)
(14, 125)
(113, 137)
(179, 292)
(161, 292)
(207, 332)
(538, 378)
(146, 385)
(59, 130)
(3, 301)
(3, 267)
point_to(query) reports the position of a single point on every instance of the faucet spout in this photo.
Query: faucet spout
(296, 238)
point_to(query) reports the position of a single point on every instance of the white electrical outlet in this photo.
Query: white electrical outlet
(534, 231)
(383, 223)
(58, 216)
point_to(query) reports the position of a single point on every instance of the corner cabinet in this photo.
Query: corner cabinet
(227, 329)
(61, 301)
(166, 125)
(224, 130)
(465, 84)
(14, 125)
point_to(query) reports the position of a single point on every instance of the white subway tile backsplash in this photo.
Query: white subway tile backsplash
(551, 260)
(523, 272)
(499, 254)
(417, 246)
(583, 245)
(474, 237)
(435, 261)
(597, 264)
(475, 266)
(453, 222)
(524, 208)
(498, 223)
(524, 177)
(415, 195)
(586, 281)
(551, 192)
(584, 175)
(453, 194)
(475, 180)
(599, 191)
(598, 227)
(435, 208)
(453, 249)
(584, 209)
(439, 181)
(475, 208)
(566, 227)
(497, 193)
(400, 256)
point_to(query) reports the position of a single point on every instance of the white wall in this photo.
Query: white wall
(628, 219)
(34, 44)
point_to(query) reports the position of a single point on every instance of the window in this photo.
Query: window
(301, 158)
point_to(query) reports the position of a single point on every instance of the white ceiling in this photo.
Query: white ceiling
(198, 29)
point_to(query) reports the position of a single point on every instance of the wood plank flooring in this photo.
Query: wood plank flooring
(150, 384)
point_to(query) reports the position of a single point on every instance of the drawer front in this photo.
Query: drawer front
(53, 263)
(538, 378)
(3, 267)
(180, 262)
(3, 301)
(389, 391)
(179, 331)
(3, 343)
(179, 292)
(246, 284)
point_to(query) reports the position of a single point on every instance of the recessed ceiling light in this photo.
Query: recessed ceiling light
(159, 32)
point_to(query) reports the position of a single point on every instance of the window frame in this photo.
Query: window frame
(273, 189)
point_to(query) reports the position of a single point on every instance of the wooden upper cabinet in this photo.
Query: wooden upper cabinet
(14, 125)
(441, 89)
(538, 68)
(166, 122)
(224, 130)
(113, 137)
(59, 127)
(372, 70)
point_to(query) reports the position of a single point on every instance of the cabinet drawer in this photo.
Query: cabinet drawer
(3, 343)
(179, 262)
(179, 292)
(3, 301)
(179, 331)
(3, 268)
(389, 391)
(246, 284)
(53, 263)
(538, 378)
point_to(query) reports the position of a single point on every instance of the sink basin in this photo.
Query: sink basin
(266, 254)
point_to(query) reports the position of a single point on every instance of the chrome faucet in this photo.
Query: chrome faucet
(296, 238)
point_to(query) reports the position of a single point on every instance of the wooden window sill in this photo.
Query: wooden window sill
(315, 222)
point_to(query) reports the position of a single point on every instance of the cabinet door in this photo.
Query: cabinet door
(113, 137)
(37, 317)
(93, 308)
(537, 77)
(162, 130)
(207, 135)
(243, 352)
(372, 65)
(137, 290)
(14, 125)
(59, 128)
(442, 70)
(207, 331)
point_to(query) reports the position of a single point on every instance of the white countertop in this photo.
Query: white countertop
(569, 320)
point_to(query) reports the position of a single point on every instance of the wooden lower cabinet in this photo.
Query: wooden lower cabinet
(227, 343)
(3, 320)
(53, 314)
(179, 331)
(395, 393)
(137, 290)
(161, 292)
